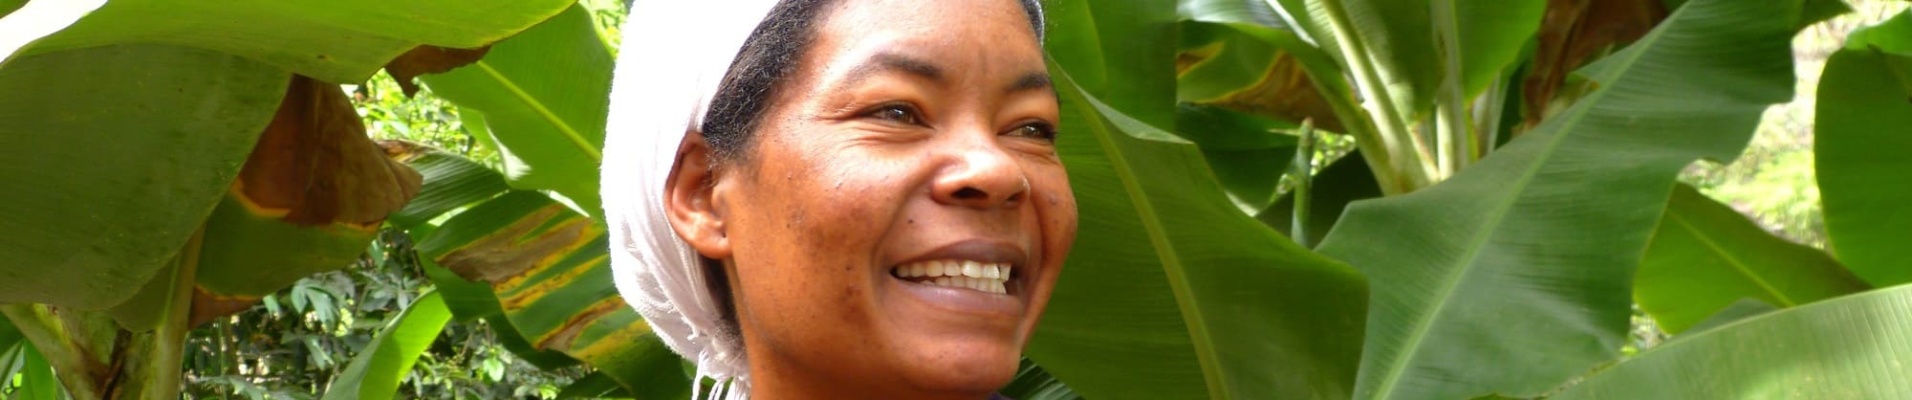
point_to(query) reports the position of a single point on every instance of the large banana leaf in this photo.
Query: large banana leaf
(112, 157)
(334, 40)
(1852, 347)
(1706, 256)
(1860, 139)
(1217, 305)
(545, 95)
(1210, 303)
(1513, 276)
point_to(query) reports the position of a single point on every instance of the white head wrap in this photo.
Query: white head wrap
(673, 57)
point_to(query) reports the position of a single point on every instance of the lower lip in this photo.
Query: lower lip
(965, 301)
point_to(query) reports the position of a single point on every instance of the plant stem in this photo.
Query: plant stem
(1452, 137)
(1303, 172)
(1488, 110)
(160, 370)
(1409, 154)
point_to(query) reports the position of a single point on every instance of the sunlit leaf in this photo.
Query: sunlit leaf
(339, 41)
(1860, 140)
(1852, 347)
(377, 370)
(1706, 256)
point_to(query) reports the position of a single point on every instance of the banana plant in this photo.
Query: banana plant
(170, 162)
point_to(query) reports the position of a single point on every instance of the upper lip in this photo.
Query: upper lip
(979, 250)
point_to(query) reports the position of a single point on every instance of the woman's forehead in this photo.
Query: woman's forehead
(932, 40)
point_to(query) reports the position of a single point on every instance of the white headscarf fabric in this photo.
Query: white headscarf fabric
(674, 55)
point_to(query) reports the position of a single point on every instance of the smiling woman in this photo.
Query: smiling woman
(838, 199)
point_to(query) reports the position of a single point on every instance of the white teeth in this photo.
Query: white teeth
(968, 274)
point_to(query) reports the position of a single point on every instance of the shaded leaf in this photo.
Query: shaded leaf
(1245, 151)
(1860, 139)
(1512, 276)
(1706, 256)
(1247, 74)
(544, 95)
(157, 132)
(429, 60)
(377, 370)
(337, 41)
(1852, 347)
(1344, 181)
(597, 385)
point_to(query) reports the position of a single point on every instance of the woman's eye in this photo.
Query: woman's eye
(897, 114)
(1036, 130)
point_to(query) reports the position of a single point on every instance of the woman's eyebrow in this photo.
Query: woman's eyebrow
(886, 61)
(1030, 81)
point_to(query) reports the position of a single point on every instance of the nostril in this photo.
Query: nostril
(970, 193)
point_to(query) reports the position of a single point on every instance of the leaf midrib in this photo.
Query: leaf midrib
(1738, 265)
(563, 127)
(1212, 373)
(1413, 344)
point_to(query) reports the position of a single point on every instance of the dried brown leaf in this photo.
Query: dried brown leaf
(1572, 33)
(1284, 93)
(429, 60)
(315, 164)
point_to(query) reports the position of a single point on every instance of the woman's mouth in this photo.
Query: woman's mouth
(980, 276)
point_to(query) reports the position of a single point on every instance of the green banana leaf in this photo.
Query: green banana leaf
(1033, 383)
(1852, 347)
(1512, 277)
(1705, 256)
(9, 6)
(451, 183)
(36, 378)
(1220, 305)
(338, 41)
(1200, 284)
(1859, 141)
(158, 132)
(544, 95)
(377, 370)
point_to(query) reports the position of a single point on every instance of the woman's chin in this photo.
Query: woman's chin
(964, 370)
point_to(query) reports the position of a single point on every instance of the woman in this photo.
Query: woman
(838, 198)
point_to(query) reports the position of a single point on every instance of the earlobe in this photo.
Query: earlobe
(691, 201)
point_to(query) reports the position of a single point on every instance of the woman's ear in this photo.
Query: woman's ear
(691, 201)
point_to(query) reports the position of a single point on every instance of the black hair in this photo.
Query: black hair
(766, 61)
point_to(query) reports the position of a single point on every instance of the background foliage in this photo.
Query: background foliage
(1203, 134)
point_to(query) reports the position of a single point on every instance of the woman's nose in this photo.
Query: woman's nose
(983, 175)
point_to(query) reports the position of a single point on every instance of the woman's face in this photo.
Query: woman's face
(914, 142)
